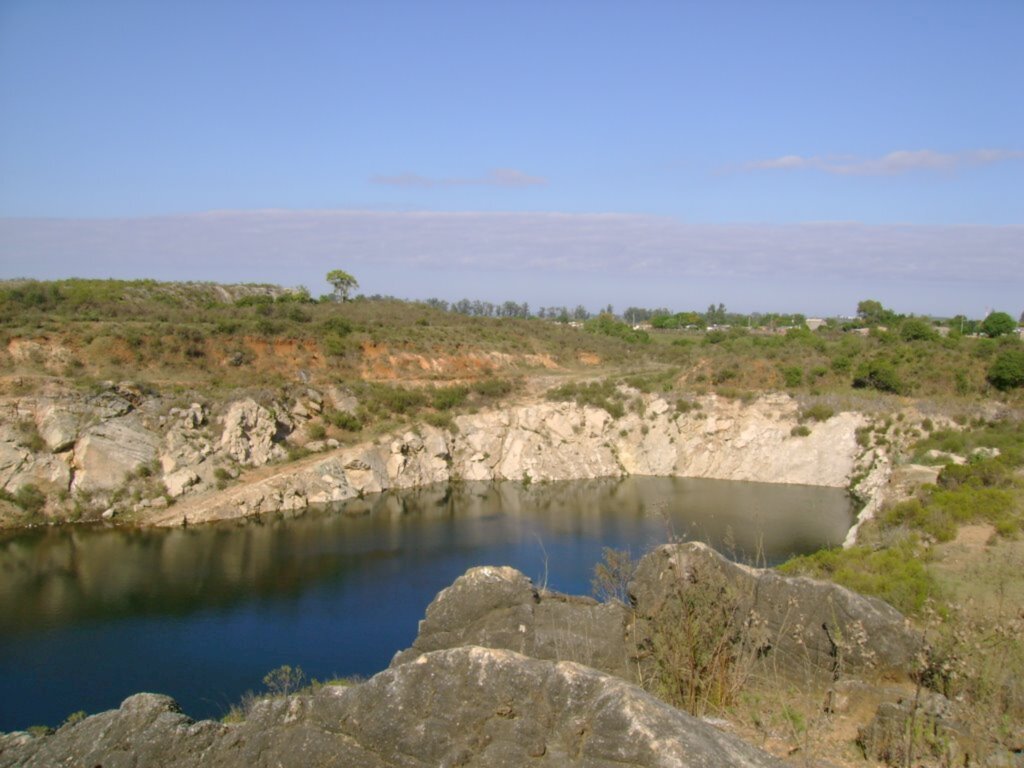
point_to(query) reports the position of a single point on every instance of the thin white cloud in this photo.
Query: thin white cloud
(498, 177)
(891, 164)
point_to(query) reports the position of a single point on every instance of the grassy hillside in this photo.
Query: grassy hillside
(205, 335)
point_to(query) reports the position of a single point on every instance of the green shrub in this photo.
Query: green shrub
(792, 375)
(685, 406)
(800, 430)
(284, 680)
(493, 388)
(978, 473)
(255, 300)
(30, 498)
(917, 516)
(337, 326)
(446, 398)
(606, 325)
(603, 394)
(817, 412)
(879, 374)
(916, 329)
(700, 644)
(842, 364)
(343, 420)
(1007, 370)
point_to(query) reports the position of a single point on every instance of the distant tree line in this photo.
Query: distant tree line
(871, 314)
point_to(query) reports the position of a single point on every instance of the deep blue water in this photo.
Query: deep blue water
(89, 616)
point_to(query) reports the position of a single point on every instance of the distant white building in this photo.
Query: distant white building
(814, 323)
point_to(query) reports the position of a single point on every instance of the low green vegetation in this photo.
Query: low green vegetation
(897, 574)
(213, 336)
(988, 488)
(28, 497)
(599, 394)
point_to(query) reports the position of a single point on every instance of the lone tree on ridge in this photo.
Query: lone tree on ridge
(343, 282)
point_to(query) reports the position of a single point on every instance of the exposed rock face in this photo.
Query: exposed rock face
(726, 440)
(810, 627)
(249, 432)
(20, 466)
(185, 444)
(498, 607)
(107, 452)
(407, 461)
(92, 442)
(58, 425)
(540, 442)
(456, 707)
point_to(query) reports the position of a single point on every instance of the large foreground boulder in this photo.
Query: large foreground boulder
(465, 706)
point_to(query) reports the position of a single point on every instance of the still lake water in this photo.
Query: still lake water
(89, 616)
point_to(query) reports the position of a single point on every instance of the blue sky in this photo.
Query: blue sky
(771, 156)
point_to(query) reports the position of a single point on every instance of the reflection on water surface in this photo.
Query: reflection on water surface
(89, 615)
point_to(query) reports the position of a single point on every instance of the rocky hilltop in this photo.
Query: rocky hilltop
(130, 454)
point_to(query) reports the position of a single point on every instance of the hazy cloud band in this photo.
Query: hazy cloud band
(271, 245)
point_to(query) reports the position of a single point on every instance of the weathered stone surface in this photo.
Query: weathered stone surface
(498, 607)
(812, 628)
(183, 448)
(466, 706)
(110, 450)
(58, 425)
(179, 482)
(418, 459)
(249, 434)
(519, 443)
(732, 440)
(51, 474)
(725, 439)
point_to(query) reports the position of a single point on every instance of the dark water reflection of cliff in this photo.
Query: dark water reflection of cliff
(88, 615)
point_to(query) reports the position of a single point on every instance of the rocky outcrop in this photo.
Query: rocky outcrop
(250, 434)
(106, 453)
(20, 466)
(548, 441)
(462, 706)
(410, 460)
(798, 628)
(499, 607)
(806, 627)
